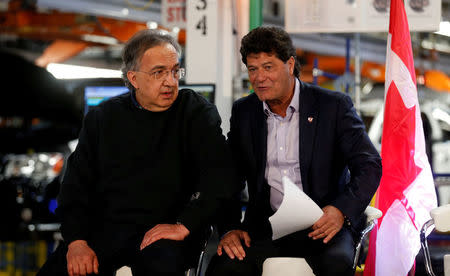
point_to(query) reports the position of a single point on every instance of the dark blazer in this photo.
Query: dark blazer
(339, 165)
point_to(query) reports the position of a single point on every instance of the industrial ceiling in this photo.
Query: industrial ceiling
(98, 28)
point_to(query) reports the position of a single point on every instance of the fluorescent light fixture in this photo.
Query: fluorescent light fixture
(125, 11)
(152, 25)
(66, 71)
(100, 39)
(430, 45)
(444, 28)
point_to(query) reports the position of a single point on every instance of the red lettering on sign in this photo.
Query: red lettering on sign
(179, 14)
(176, 14)
(170, 16)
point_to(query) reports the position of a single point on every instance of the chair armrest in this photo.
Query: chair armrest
(441, 218)
(372, 213)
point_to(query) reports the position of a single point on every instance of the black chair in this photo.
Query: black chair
(200, 242)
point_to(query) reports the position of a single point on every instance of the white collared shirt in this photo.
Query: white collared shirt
(283, 148)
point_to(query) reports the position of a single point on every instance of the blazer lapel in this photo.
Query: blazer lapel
(308, 122)
(259, 137)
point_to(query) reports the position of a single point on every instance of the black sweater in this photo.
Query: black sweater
(136, 167)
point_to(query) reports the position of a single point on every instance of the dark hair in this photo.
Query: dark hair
(269, 40)
(136, 46)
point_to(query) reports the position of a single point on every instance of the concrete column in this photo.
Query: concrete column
(225, 37)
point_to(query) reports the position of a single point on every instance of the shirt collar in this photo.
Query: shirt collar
(133, 99)
(294, 104)
(295, 100)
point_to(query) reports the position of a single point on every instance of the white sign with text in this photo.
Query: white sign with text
(350, 16)
(201, 41)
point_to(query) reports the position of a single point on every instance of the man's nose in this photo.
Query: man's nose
(260, 76)
(170, 79)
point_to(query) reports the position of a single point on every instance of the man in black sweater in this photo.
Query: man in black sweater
(150, 170)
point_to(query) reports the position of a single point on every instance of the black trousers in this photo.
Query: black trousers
(164, 257)
(334, 258)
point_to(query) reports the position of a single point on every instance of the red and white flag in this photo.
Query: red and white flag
(406, 193)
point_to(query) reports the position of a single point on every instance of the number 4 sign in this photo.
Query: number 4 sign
(201, 41)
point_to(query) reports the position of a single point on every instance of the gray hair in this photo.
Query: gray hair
(136, 46)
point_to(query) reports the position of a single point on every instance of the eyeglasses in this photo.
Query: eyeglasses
(161, 74)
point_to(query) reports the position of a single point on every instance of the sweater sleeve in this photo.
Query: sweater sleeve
(213, 172)
(75, 195)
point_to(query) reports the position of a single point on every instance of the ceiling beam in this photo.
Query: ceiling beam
(125, 10)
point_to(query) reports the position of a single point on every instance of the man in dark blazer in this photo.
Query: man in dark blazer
(313, 136)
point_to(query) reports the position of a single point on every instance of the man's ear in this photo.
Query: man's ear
(291, 63)
(131, 75)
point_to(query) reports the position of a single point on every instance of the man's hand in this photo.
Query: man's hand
(232, 245)
(176, 232)
(81, 259)
(328, 225)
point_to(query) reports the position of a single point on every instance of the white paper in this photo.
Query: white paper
(297, 211)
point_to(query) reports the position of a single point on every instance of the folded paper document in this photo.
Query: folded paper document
(297, 211)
